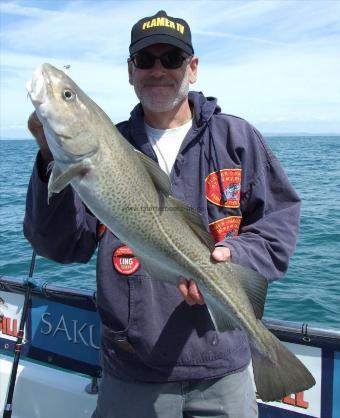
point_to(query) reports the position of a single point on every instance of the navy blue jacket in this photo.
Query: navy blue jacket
(226, 171)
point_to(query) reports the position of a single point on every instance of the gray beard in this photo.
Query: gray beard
(164, 105)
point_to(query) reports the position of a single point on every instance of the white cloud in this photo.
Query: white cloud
(13, 8)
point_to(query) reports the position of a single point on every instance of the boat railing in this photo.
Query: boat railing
(82, 313)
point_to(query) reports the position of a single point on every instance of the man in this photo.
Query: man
(161, 354)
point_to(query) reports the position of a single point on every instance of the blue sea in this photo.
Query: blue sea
(310, 292)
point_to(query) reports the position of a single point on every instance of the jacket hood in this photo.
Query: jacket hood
(204, 107)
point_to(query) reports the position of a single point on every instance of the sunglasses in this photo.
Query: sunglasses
(170, 60)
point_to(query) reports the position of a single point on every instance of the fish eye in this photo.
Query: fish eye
(68, 94)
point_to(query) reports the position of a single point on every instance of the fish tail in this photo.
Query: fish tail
(281, 377)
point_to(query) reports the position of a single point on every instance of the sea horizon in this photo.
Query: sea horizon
(265, 134)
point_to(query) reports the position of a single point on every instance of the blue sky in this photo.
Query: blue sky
(275, 63)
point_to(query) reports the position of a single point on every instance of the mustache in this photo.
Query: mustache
(158, 81)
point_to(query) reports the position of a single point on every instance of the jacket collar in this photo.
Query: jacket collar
(204, 108)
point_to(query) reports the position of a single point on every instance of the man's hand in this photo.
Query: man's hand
(36, 129)
(189, 288)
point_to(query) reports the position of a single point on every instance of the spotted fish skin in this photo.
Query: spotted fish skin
(130, 194)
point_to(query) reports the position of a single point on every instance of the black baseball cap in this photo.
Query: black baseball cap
(161, 29)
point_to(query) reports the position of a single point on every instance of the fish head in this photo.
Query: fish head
(66, 113)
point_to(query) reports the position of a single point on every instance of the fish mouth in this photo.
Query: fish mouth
(40, 87)
(36, 87)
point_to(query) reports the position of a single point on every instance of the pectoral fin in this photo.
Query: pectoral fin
(60, 179)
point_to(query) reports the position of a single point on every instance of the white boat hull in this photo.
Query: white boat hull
(46, 392)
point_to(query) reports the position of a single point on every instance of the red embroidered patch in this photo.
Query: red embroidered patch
(124, 260)
(223, 188)
(225, 227)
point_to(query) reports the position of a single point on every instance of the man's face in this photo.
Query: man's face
(160, 89)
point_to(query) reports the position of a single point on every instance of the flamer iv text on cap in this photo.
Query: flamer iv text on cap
(161, 29)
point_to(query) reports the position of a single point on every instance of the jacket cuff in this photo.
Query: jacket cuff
(234, 258)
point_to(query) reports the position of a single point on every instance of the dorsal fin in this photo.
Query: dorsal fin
(159, 177)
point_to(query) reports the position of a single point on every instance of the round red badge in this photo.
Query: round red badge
(124, 260)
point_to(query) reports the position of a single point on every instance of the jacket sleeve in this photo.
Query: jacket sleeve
(62, 230)
(270, 213)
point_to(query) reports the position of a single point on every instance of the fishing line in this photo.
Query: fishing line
(18, 345)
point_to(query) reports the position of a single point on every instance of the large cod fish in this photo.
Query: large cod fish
(167, 236)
